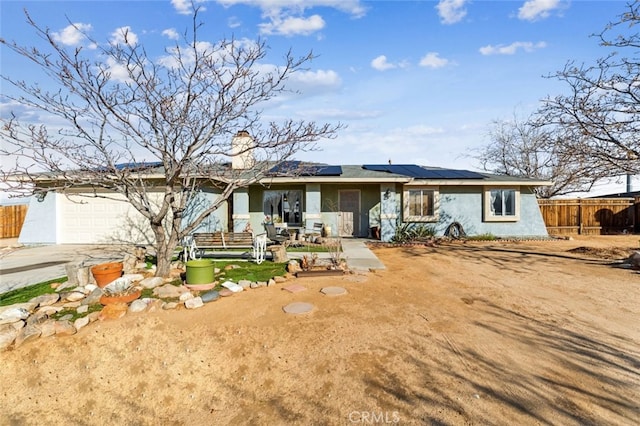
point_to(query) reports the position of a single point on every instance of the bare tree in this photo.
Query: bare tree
(600, 116)
(154, 131)
(519, 148)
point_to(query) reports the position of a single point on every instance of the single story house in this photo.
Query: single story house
(367, 200)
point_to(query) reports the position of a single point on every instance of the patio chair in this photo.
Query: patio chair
(314, 232)
(273, 236)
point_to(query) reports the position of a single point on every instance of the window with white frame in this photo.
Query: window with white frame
(421, 204)
(501, 204)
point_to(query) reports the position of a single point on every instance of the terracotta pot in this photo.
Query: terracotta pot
(108, 300)
(106, 273)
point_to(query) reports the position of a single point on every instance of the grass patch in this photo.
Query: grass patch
(250, 271)
(24, 294)
(74, 313)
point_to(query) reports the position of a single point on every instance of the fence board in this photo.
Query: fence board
(590, 216)
(11, 220)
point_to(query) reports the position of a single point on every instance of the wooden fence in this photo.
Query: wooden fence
(593, 216)
(11, 220)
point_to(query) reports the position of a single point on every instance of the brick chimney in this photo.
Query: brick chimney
(242, 146)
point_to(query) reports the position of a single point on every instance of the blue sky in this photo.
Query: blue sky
(413, 81)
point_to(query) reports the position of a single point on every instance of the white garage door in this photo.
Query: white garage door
(84, 220)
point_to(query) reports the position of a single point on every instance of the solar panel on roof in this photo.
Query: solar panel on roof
(415, 171)
(300, 169)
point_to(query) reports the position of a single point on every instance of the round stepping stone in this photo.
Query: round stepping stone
(298, 308)
(333, 291)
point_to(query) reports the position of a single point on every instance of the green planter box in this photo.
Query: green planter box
(200, 271)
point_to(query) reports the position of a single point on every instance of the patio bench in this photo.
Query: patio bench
(200, 242)
(223, 240)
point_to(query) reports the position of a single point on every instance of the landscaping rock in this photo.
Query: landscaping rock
(93, 297)
(13, 314)
(47, 328)
(65, 286)
(293, 266)
(72, 296)
(194, 303)
(271, 282)
(169, 305)
(84, 277)
(244, 283)
(137, 305)
(49, 310)
(65, 317)
(82, 309)
(93, 316)
(231, 286)
(129, 263)
(37, 318)
(185, 296)
(8, 335)
(225, 292)
(280, 279)
(168, 291)
(634, 260)
(72, 272)
(210, 296)
(153, 304)
(18, 324)
(151, 282)
(72, 305)
(113, 311)
(45, 299)
(64, 328)
(30, 332)
(80, 322)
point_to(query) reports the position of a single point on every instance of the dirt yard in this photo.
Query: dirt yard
(459, 334)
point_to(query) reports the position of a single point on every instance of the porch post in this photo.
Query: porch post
(389, 208)
(240, 216)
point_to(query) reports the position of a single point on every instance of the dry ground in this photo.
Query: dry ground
(475, 333)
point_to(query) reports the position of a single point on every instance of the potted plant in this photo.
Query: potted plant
(106, 273)
(120, 291)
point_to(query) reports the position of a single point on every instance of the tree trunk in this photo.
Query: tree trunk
(164, 251)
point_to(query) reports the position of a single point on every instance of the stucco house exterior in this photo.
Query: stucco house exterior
(349, 200)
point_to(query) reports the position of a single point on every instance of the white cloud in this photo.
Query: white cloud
(124, 35)
(533, 10)
(381, 64)
(183, 7)
(353, 7)
(118, 71)
(234, 22)
(433, 60)
(289, 26)
(451, 11)
(171, 34)
(308, 81)
(72, 35)
(337, 114)
(512, 48)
